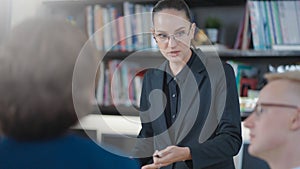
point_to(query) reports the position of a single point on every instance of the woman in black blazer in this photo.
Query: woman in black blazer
(189, 105)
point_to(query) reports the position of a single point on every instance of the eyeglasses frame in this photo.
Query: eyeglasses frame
(169, 36)
(258, 110)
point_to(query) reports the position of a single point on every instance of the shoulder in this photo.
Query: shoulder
(104, 156)
(155, 72)
(228, 69)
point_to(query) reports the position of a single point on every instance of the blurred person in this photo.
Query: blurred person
(193, 103)
(275, 122)
(36, 104)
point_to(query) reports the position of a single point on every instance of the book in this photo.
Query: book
(270, 22)
(288, 22)
(256, 25)
(239, 36)
(276, 22)
(100, 84)
(295, 47)
(98, 24)
(127, 6)
(89, 13)
(246, 30)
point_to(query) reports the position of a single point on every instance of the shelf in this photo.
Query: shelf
(96, 126)
(127, 111)
(201, 3)
(91, 2)
(259, 53)
(266, 56)
(119, 110)
(249, 56)
(191, 3)
(144, 54)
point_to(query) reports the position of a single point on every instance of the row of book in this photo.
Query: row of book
(247, 78)
(124, 28)
(270, 25)
(119, 83)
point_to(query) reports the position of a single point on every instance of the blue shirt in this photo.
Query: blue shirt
(66, 152)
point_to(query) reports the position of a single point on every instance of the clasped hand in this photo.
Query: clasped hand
(167, 156)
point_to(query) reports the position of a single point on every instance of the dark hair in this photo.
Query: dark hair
(172, 4)
(36, 72)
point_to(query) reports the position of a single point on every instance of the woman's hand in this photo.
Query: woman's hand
(168, 156)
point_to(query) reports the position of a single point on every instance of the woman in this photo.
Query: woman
(194, 121)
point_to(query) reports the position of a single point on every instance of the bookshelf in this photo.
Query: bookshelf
(231, 13)
(201, 9)
(249, 57)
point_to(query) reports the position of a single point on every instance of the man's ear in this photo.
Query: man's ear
(295, 121)
(153, 31)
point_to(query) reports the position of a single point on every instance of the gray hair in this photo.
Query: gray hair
(36, 73)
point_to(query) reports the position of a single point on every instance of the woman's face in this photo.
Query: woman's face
(173, 33)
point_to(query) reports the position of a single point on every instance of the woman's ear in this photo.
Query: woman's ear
(295, 121)
(192, 30)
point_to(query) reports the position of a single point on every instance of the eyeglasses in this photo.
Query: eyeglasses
(259, 107)
(178, 36)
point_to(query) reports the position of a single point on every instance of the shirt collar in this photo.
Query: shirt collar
(182, 74)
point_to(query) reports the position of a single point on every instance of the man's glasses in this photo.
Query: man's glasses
(259, 107)
(178, 36)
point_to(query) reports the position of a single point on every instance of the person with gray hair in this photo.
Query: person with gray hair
(275, 122)
(37, 103)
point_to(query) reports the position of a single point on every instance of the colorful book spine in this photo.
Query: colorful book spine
(256, 25)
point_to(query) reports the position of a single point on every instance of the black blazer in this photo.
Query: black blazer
(208, 121)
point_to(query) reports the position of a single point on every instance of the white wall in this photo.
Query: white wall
(4, 18)
(23, 9)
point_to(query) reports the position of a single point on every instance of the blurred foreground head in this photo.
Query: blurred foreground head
(37, 79)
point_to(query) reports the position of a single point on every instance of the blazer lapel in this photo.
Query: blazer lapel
(158, 102)
(190, 98)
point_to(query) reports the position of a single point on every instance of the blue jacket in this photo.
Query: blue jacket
(66, 152)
